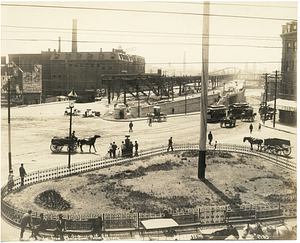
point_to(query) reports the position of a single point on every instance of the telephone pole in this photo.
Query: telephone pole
(275, 98)
(204, 90)
(266, 91)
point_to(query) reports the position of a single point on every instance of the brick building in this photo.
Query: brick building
(288, 84)
(82, 71)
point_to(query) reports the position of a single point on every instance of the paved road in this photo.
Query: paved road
(34, 126)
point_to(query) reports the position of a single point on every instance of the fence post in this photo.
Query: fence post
(138, 221)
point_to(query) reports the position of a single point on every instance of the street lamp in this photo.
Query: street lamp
(71, 95)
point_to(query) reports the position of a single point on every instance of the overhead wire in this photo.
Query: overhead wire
(143, 11)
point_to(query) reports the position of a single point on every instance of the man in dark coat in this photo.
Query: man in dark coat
(251, 128)
(60, 226)
(22, 174)
(40, 226)
(170, 144)
(130, 127)
(26, 219)
(97, 226)
(210, 137)
(114, 148)
(136, 148)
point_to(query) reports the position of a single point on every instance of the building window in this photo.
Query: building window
(54, 76)
(92, 65)
(287, 66)
(103, 67)
(295, 46)
(58, 76)
(98, 65)
(110, 67)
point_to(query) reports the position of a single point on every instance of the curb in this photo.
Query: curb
(278, 129)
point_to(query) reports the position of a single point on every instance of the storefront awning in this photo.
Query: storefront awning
(287, 105)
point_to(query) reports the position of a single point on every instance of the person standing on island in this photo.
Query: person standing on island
(170, 144)
(136, 148)
(130, 127)
(259, 127)
(26, 219)
(251, 128)
(210, 137)
(22, 174)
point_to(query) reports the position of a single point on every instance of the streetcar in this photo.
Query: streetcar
(215, 113)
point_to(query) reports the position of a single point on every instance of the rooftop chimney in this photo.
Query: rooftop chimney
(59, 44)
(74, 36)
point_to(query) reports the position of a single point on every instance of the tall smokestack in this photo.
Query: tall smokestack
(74, 36)
(59, 44)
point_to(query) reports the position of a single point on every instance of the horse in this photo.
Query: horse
(254, 141)
(89, 141)
(229, 233)
(283, 232)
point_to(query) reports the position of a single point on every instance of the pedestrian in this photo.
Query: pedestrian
(60, 226)
(22, 174)
(251, 128)
(97, 226)
(110, 150)
(259, 127)
(40, 226)
(215, 144)
(26, 219)
(123, 149)
(130, 149)
(114, 148)
(210, 137)
(150, 121)
(136, 148)
(170, 144)
(130, 127)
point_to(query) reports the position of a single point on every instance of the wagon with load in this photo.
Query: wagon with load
(57, 144)
(228, 121)
(248, 114)
(277, 146)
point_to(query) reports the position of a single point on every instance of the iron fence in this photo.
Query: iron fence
(201, 216)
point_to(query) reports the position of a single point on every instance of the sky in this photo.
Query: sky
(241, 33)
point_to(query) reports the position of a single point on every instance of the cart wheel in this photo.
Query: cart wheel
(221, 124)
(278, 149)
(286, 150)
(73, 148)
(55, 148)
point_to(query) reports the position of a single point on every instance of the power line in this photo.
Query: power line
(142, 11)
(141, 33)
(231, 4)
(143, 43)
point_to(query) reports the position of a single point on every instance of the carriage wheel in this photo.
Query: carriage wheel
(277, 149)
(55, 148)
(286, 150)
(221, 124)
(73, 148)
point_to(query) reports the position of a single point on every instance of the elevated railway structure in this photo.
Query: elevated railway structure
(163, 87)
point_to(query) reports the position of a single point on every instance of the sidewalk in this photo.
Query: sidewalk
(280, 127)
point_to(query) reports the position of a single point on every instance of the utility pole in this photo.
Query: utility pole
(204, 90)
(10, 170)
(275, 99)
(266, 102)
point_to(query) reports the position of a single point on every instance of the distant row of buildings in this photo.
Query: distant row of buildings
(56, 73)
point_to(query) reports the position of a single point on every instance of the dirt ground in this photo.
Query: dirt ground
(166, 181)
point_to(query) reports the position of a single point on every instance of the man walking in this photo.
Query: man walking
(251, 128)
(136, 148)
(40, 226)
(130, 127)
(170, 144)
(22, 174)
(210, 137)
(26, 219)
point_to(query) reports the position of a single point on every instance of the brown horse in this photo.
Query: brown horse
(254, 141)
(89, 141)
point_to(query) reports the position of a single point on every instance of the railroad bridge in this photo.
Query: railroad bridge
(163, 86)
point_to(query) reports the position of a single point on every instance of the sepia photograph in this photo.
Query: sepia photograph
(148, 120)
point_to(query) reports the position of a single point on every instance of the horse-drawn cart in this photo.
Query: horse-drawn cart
(248, 114)
(157, 115)
(57, 144)
(228, 121)
(271, 145)
(277, 146)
